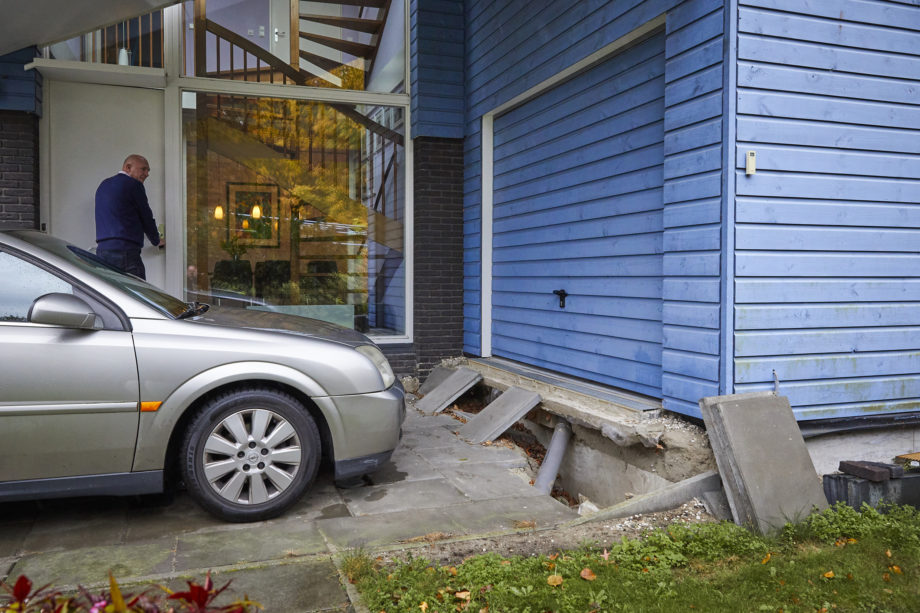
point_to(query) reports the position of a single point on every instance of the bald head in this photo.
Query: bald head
(136, 166)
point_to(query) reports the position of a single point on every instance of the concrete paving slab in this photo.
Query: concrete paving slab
(430, 438)
(12, 537)
(417, 421)
(488, 481)
(61, 527)
(404, 465)
(435, 378)
(386, 528)
(475, 454)
(498, 416)
(90, 565)
(403, 496)
(766, 469)
(181, 516)
(6, 564)
(449, 390)
(505, 514)
(247, 543)
(301, 585)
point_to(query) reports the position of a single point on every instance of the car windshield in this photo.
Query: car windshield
(148, 294)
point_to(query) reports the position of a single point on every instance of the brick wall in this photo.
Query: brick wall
(438, 250)
(18, 170)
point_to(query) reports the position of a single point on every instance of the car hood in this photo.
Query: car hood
(281, 322)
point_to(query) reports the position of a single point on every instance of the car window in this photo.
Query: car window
(21, 283)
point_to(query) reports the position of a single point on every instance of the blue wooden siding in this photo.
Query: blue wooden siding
(828, 229)
(436, 67)
(20, 90)
(514, 45)
(577, 205)
(692, 205)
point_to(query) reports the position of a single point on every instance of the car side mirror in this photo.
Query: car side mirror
(63, 310)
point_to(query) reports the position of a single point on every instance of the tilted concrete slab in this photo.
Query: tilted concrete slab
(766, 469)
(449, 390)
(435, 378)
(498, 416)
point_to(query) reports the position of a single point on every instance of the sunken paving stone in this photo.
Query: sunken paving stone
(449, 390)
(241, 544)
(404, 465)
(498, 416)
(62, 527)
(387, 528)
(404, 496)
(302, 586)
(504, 514)
(488, 481)
(768, 475)
(475, 454)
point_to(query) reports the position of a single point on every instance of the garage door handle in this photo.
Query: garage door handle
(562, 294)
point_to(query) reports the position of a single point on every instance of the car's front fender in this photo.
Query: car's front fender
(156, 427)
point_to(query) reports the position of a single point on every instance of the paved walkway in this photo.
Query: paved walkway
(434, 483)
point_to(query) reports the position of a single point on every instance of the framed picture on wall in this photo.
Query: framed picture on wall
(254, 217)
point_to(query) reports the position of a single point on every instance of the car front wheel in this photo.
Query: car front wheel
(250, 454)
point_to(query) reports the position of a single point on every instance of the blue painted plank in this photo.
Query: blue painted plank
(705, 28)
(855, 409)
(821, 82)
(688, 388)
(835, 187)
(686, 13)
(584, 250)
(816, 55)
(692, 289)
(516, 335)
(646, 309)
(811, 212)
(875, 389)
(692, 314)
(830, 161)
(637, 266)
(683, 407)
(694, 238)
(625, 287)
(693, 111)
(693, 86)
(835, 340)
(838, 315)
(695, 365)
(624, 328)
(800, 106)
(624, 204)
(799, 368)
(692, 137)
(691, 213)
(805, 264)
(545, 229)
(691, 263)
(826, 238)
(705, 55)
(695, 187)
(696, 340)
(826, 31)
(543, 353)
(859, 11)
(811, 133)
(826, 290)
(693, 162)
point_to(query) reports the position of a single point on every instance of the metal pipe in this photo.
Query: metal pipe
(553, 459)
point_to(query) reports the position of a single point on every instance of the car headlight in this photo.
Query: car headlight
(376, 356)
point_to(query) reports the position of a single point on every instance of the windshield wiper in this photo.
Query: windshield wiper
(194, 308)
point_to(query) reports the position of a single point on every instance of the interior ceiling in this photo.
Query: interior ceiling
(24, 23)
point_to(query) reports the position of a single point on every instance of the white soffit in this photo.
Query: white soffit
(103, 74)
(38, 22)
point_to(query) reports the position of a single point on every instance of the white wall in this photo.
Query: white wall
(88, 132)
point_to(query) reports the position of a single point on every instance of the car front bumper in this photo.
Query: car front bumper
(370, 428)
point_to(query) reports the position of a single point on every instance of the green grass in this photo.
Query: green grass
(838, 560)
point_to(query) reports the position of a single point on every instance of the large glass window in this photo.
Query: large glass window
(297, 206)
(348, 45)
(133, 42)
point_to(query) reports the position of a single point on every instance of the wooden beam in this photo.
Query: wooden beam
(294, 33)
(356, 49)
(201, 31)
(370, 26)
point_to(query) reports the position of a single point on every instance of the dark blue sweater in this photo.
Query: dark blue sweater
(123, 215)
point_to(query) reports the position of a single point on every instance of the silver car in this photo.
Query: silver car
(109, 386)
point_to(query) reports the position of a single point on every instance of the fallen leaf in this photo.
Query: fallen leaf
(520, 524)
(423, 606)
(605, 555)
(829, 574)
(766, 558)
(554, 556)
(550, 565)
(887, 591)
(888, 552)
(850, 576)
(506, 562)
(452, 571)
(554, 580)
(895, 569)
(465, 595)
(886, 577)
(851, 541)
(587, 574)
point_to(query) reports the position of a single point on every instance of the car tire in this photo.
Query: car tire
(250, 454)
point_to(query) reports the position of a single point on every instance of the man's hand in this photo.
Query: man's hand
(162, 244)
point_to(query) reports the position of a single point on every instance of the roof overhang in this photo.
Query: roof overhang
(38, 22)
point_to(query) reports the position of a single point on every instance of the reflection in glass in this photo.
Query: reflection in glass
(347, 45)
(133, 42)
(297, 206)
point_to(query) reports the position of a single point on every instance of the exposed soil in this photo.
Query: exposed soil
(531, 540)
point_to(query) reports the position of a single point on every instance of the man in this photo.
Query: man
(123, 217)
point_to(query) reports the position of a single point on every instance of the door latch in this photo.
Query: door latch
(562, 294)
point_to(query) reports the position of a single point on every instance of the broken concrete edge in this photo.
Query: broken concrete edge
(662, 499)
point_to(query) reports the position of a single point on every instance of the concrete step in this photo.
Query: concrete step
(449, 390)
(500, 415)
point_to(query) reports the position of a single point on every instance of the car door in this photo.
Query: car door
(68, 396)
